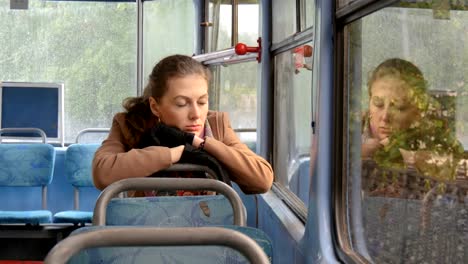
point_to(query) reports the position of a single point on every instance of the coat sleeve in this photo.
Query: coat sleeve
(112, 162)
(251, 172)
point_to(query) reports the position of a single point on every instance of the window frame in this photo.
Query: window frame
(344, 16)
(289, 198)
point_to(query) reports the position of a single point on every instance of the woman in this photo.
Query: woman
(175, 106)
(397, 101)
(405, 126)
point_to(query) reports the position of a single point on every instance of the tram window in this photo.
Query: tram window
(220, 16)
(291, 17)
(309, 13)
(248, 25)
(164, 35)
(220, 32)
(234, 90)
(284, 19)
(88, 46)
(407, 200)
(293, 117)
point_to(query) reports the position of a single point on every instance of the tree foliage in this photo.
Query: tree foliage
(91, 47)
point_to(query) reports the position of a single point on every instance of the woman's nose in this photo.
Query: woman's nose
(194, 112)
(386, 114)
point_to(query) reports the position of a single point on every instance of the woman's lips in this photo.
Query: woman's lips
(385, 131)
(192, 128)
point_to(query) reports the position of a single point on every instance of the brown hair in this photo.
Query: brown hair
(401, 69)
(139, 116)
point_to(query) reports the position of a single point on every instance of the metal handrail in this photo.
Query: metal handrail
(231, 60)
(215, 55)
(24, 130)
(224, 57)
(91, 130)
(190, 184)
(151, 236)
(244, 130)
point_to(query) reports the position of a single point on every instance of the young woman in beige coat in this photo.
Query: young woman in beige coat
(177, 98)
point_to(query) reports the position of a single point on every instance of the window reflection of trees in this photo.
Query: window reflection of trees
(414, 211)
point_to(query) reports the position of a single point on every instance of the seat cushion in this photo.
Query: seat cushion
(25, 217)
(74, 217)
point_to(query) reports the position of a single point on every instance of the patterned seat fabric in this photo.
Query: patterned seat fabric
(26, 165)
(78, 170)
(170, 211)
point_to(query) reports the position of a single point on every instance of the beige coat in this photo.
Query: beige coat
(113, 161)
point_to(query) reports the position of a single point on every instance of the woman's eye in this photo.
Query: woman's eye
(181, 104)
(202, 102)
(377, 102)
(400, 106)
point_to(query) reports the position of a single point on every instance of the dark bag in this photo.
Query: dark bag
(190, 155)
(163, 135)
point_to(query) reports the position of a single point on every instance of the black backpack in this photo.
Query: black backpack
(208, 166)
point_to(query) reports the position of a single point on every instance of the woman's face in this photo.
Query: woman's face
(391, 107)
(184, 105)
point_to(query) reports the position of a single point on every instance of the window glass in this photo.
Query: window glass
(220, 32)
(293, 117)
(163, 35)
(309, 13)
(284, 19)
(89, 46)
(342, 3)
(407, 134)
(234, 90)
(248, 24)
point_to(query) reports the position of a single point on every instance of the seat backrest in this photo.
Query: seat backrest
(180, 245)
(26, 164)
(78, 168)
(78, 164)
(198, 205)
(170, 211)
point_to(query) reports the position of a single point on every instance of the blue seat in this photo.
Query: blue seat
(159, 215)
(27, 165)
(170, 210)
(78, 163)
(175, 245)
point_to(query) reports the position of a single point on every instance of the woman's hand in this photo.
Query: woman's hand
(176, 153)
(197, 141)
(369, 147)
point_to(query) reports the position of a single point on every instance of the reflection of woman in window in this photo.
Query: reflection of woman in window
(396, 102)
(403, 125)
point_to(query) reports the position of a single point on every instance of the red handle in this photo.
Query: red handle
(242, 49)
